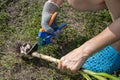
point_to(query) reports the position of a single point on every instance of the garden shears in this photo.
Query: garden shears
(45, 38)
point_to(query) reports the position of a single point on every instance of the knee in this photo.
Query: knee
(80, 4)
(86, 5)
(73, 3)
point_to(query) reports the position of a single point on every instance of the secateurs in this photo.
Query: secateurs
(45, 38)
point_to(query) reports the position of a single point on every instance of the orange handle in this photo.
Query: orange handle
(50, 22)
(52, 18)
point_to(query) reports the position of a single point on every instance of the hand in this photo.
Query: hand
(73, 61)
(48, 10)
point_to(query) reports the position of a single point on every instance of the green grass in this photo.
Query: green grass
(20, 22)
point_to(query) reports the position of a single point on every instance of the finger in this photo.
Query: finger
(60, 63)
(68, 69)
(76, 67)
(64, 65)
(71, 67)
(73, 70)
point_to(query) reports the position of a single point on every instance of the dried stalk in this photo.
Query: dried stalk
(84, 72)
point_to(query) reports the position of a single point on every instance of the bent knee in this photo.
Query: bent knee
(84, 5)
(73, 3)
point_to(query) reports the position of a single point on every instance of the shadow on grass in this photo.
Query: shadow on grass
(62, 49)
(38, 63)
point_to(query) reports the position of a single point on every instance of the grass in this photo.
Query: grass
(20, 22)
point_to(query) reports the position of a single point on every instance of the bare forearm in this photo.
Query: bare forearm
(110, 35)
(58, 2)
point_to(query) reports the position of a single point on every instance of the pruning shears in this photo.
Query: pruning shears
(45, 38)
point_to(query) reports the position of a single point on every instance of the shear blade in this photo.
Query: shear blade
(33, 48)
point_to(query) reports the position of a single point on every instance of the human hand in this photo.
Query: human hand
(49, 9)
(73, 61)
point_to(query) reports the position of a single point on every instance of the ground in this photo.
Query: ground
(20, 22)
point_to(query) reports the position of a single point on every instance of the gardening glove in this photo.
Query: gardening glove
(48, 10)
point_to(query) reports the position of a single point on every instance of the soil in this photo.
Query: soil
(12, 65)
(20, 24)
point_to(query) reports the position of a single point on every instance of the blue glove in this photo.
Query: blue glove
(48, 10)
